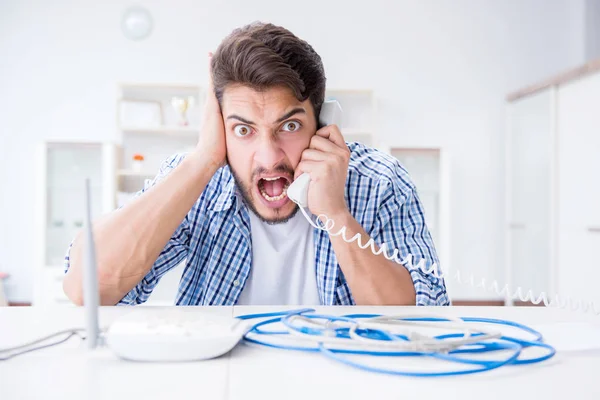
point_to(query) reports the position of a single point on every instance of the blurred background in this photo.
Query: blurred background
(493, 106)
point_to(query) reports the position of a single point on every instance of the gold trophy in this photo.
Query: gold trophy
(181, 106)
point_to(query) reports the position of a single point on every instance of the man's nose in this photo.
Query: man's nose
(269, 152)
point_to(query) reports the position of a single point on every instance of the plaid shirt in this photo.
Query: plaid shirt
(214, 237)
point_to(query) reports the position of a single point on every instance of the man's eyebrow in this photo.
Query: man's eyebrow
(244, 120)
(297, 110)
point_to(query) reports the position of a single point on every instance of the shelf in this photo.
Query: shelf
(162, 130)
(356, 132)
(160, 86)
(156, 91)
(364, 91)
(73, 187)
(59, 268)
(132, 173)
(357, 135)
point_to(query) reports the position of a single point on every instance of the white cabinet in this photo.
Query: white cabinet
(553, 190)
(579, 269)
(154, 121)
(578, 116)
(530, 184)
(579, 152)
(63, 168)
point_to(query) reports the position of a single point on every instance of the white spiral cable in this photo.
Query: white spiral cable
(558, 301)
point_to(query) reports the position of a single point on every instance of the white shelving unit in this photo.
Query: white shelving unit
(358, 114)
(149, 125)
(429, 169)
(62, 169)
(171, 131)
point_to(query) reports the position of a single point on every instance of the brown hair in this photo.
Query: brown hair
(262, 56)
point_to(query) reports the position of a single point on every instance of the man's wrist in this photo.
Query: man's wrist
(340, 218)
(201, 162)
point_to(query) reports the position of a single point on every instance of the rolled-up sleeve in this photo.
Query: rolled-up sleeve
(400, 223)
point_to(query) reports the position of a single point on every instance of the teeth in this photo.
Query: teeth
(272, 179)
(276, 198)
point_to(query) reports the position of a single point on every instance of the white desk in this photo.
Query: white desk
(69, 371)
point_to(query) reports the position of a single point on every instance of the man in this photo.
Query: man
(224, 208)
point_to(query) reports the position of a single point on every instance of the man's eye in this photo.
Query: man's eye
(242, 130)
(291, 126)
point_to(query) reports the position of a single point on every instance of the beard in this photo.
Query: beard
(250, 203)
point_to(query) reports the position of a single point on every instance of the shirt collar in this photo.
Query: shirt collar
(229, 194)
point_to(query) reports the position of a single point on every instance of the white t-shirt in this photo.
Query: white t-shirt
(283, 264)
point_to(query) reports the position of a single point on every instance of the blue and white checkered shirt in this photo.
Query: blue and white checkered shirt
(214, 237)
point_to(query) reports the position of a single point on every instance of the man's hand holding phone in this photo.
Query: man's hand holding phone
(326, 161)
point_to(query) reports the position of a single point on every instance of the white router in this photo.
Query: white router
(172, 334)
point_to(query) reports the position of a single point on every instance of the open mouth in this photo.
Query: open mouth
(273, 189)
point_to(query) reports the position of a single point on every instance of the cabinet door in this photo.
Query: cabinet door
(579, 266)
(68, 165)
(529, 260)
(579, 153)
(579, 181)
(530, 180)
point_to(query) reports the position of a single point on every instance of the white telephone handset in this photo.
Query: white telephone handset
(331, 114)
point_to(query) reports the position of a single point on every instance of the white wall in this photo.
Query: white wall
(440, 69)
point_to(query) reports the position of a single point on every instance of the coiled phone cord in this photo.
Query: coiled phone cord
(327, 224)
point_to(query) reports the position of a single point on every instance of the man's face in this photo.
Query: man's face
(266, 133)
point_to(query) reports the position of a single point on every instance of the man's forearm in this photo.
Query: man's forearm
(130, 239)
(373, 279)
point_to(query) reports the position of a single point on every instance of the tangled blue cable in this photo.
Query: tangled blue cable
(514, 345)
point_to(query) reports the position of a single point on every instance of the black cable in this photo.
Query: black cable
(70, 332)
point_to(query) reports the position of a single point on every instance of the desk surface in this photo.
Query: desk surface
(69, 371)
